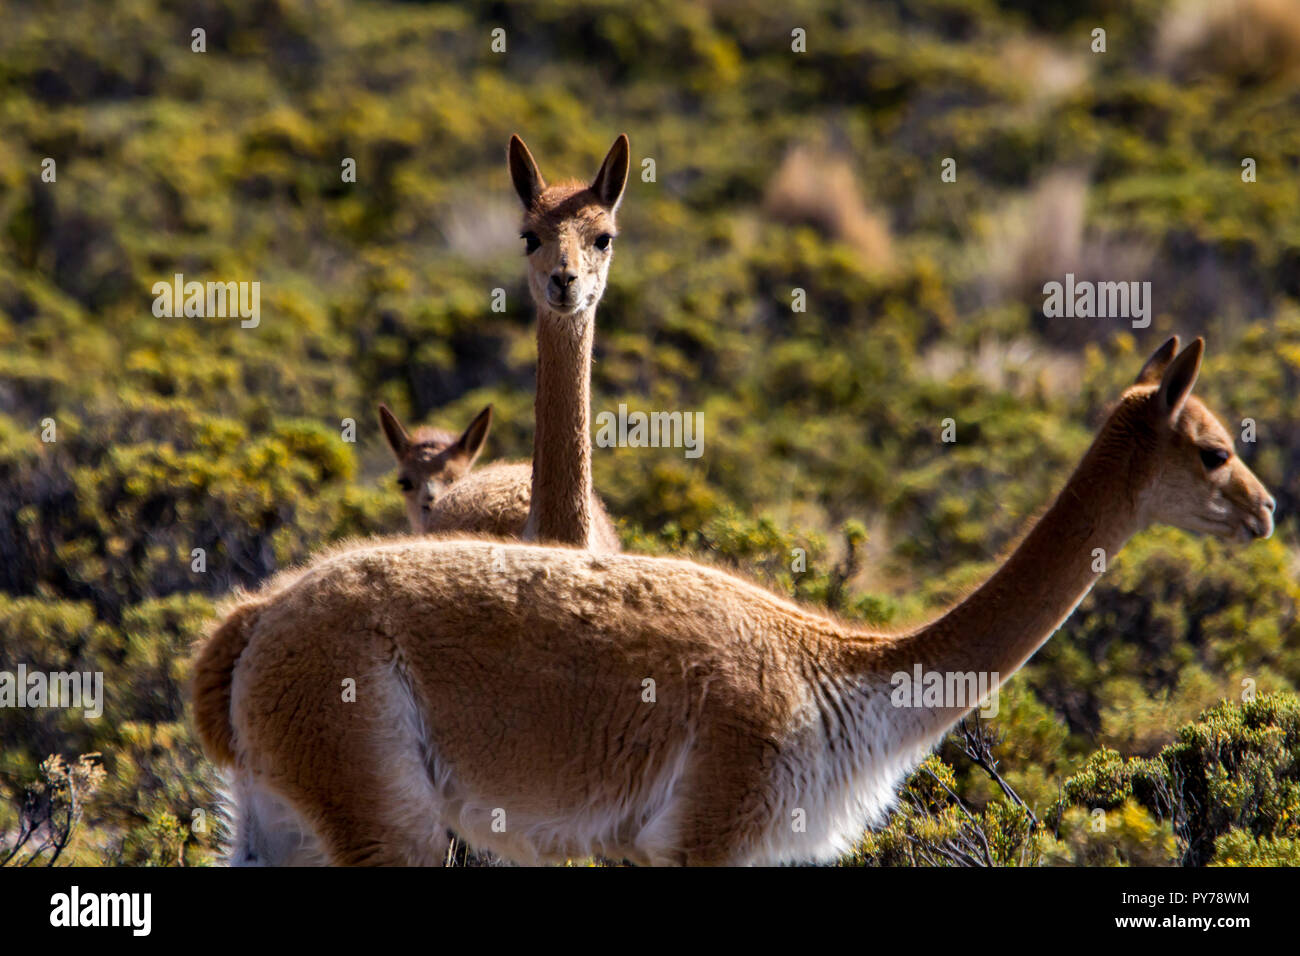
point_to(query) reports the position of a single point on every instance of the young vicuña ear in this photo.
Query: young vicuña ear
(471, 442)
(1154, 370)
(1179, 378)
(524, 172)
(609, 182)
(398, 440)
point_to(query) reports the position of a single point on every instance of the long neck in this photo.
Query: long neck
(560, 510)
(1001, 624)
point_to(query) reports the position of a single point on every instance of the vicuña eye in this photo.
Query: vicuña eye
(1213, 458)
(603, 241)
(531, 242)
(405, 484)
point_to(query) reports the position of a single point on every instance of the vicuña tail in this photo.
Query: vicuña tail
(212, 676)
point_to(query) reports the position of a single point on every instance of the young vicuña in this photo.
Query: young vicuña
(431, 460)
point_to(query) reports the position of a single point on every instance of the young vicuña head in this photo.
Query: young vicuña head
(431, 460)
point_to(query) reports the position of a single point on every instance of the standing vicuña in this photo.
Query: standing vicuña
(568, 234)
(431, 460)
(549, 703)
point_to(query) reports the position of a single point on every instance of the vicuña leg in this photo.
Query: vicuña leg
(361, 780)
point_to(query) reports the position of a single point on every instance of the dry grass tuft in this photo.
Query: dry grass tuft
(1250, 41)
(819, 189)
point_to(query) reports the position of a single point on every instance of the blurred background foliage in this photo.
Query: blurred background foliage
(774, 170)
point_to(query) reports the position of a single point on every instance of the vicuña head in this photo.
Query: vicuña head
(568, 229)
(431, 460)
(548, 703)
(1201, 485)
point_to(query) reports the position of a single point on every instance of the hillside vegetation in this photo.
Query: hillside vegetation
(770, 171)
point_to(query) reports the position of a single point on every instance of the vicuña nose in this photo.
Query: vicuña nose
(561, 280)
(1270, 503)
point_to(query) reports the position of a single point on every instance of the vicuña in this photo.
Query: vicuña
(568, 234)
(431, 460)
(549, 703)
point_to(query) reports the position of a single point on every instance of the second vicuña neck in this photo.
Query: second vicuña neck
(560, 510)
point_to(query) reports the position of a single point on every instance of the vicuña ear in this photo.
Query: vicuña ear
(398, 440)
(1154, 370)
(1179, 377)
(612, 178)
(524, 172)
(471, 442)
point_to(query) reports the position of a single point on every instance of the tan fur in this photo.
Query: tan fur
(494, 500)
(221, 649)
(502, 680)
(567, 272)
